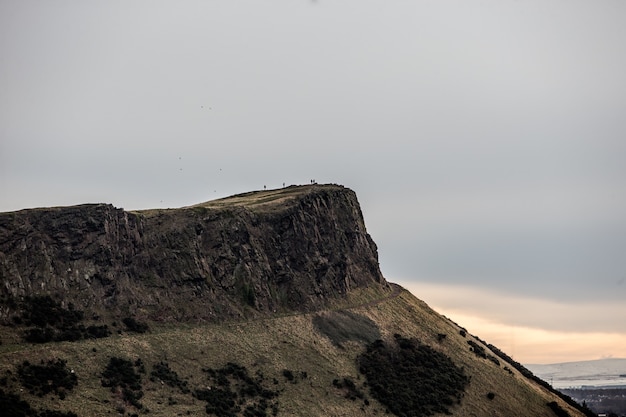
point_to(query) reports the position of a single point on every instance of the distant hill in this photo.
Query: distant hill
(595, 373)
(264, 303)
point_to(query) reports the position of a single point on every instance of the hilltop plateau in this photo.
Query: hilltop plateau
(263, 303)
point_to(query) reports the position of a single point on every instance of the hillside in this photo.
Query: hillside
(265, 303)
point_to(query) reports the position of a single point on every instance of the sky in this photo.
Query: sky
(485, 139)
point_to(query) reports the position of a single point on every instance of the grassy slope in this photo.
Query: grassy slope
(270, 346)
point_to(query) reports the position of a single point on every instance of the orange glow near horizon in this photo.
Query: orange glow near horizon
(538, 346)
(524, 343)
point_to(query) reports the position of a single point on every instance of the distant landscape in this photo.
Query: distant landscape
(600, 384)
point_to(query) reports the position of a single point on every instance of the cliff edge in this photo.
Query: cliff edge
(291, 249)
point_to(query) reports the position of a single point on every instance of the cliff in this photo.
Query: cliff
(256, 253)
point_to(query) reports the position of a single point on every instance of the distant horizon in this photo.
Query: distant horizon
(527, 342)
(587, 360)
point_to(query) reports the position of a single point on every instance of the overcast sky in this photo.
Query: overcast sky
(486, 140)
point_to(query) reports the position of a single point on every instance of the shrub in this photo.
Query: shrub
(288, 374)
(410, 378)
(477, 349)
(54, 323)
(39, 335)
(13, 405)
(234, 390)
(45, 378)
(350, 389)
(97, 332)
(162, 372)
(120, 373)
(43, 311)
(134, 325)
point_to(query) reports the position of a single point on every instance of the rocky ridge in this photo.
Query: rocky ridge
(291, 249)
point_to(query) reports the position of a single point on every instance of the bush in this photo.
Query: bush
(477, 349)
(43, 311)
(350, 389)
(13, 406)
(288, 374)
(237, 391)
(410, 378)
(162, 372)
(53, 323)
(50, 377)
(120, 373)
(39, 335)
(134, 325)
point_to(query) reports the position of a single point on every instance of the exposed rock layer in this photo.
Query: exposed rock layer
(255, 253)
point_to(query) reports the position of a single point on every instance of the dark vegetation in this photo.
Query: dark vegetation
(45, 378)
(248, 294)
(48, 377)
(481, 353)
(412, 379)
(229, 391)
(343, 326)
(134, 325)
(351, 391)
(232, 391)
(162, 372)
(12, 405)
(51, 322)
(122, 376)
(288, 375)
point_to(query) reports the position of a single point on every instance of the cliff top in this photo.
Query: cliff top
(263, 200)
(267, 199)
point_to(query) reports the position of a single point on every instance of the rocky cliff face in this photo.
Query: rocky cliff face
(255, 253)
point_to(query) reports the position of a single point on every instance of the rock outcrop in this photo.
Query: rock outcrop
(252, 254)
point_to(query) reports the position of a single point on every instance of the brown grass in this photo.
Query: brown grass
(271, 346)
